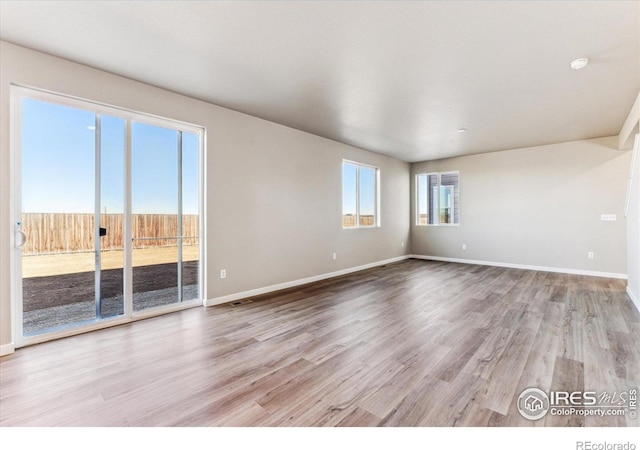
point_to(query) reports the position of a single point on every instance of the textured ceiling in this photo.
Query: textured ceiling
(398, 78)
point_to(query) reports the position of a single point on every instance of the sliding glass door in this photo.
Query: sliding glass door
(165, 216)
(108, 215)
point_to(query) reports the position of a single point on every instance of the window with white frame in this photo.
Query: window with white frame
(437, 198)
(360, 195)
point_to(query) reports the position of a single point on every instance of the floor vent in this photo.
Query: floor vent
(241, 302)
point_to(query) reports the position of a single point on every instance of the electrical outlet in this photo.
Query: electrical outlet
(464, 246)
(335, 256)
(590, 255)
(223, 273)
(402, 243)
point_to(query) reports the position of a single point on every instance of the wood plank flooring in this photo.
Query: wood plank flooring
(416, 343)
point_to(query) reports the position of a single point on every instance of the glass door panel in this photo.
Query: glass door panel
(61, 257)
(190, 216)
(111, 213)
(156, 219)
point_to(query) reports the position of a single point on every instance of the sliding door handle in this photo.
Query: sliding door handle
(23, 238)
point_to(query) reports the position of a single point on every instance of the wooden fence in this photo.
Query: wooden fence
(70, 233)
(349, 221)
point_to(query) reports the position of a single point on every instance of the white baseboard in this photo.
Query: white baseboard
(7, 349)
(289, 284)
(622, 276)
(634, 299)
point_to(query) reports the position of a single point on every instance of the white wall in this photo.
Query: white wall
(273, 193)
(536, 206)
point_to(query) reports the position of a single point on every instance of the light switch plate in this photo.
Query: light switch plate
(608, 217)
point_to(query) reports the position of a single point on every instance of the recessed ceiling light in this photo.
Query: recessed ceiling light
(462, 130)
(579, 63)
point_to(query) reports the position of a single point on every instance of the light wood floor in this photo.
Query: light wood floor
(415, 343)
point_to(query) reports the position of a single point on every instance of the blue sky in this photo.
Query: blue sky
(58, 163)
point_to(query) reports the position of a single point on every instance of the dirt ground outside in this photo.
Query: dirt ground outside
(66, 263)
